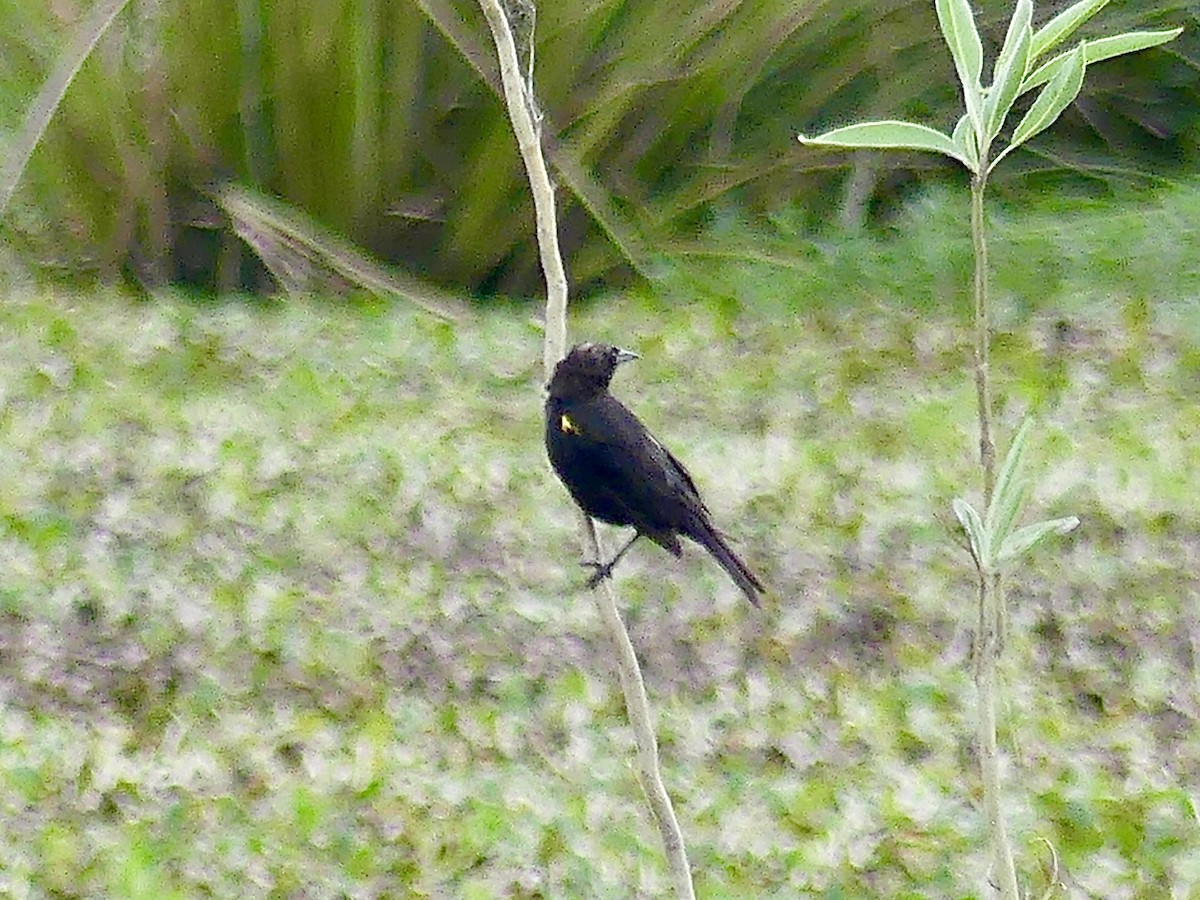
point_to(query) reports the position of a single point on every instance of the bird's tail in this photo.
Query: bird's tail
(711, 540)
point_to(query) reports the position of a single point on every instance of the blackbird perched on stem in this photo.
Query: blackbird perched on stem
(616, 470)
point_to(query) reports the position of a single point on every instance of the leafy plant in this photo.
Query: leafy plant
(995, 539)
(381, 123)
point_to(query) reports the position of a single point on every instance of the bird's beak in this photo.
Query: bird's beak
(624, 356)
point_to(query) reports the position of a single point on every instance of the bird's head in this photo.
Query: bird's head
(587, 370)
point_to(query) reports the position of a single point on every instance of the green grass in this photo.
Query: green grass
(291, 604)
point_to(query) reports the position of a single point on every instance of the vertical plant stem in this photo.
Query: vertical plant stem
(987, 640)
(530, 145)
(637, 708)
(518, 98)
(983, 389)
(1004, 870)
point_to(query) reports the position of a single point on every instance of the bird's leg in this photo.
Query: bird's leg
(605, 570)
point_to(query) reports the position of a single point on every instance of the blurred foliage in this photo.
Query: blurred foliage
(291, 603)
(380, 121)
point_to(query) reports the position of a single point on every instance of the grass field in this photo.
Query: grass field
(291, 604)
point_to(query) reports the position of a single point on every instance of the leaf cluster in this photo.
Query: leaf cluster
(996, 541)
(1016, 72)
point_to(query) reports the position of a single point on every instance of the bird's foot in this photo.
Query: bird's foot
(600, 571)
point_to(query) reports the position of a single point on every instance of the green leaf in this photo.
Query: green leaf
(964, 138)
(888, 135)
(1025, 539)
(1104, 48)
(1000, 519)
(1055, 97)
(973, 526)
(1062, 26)
(958, 28)
(1010, 68)
(1010, 489)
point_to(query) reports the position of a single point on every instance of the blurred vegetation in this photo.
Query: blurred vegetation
(283, 610)
(380, 121)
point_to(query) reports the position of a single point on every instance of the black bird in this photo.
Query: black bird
(616, 470)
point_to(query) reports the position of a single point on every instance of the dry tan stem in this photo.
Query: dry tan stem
(517, 98)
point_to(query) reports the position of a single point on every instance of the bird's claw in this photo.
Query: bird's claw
(600, 572)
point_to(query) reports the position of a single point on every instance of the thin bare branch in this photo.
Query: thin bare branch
(518, 95)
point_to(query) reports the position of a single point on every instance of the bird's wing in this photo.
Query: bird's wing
(676, 470)
(648, 474)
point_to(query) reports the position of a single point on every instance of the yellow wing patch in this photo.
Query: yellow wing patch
(566, 426)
